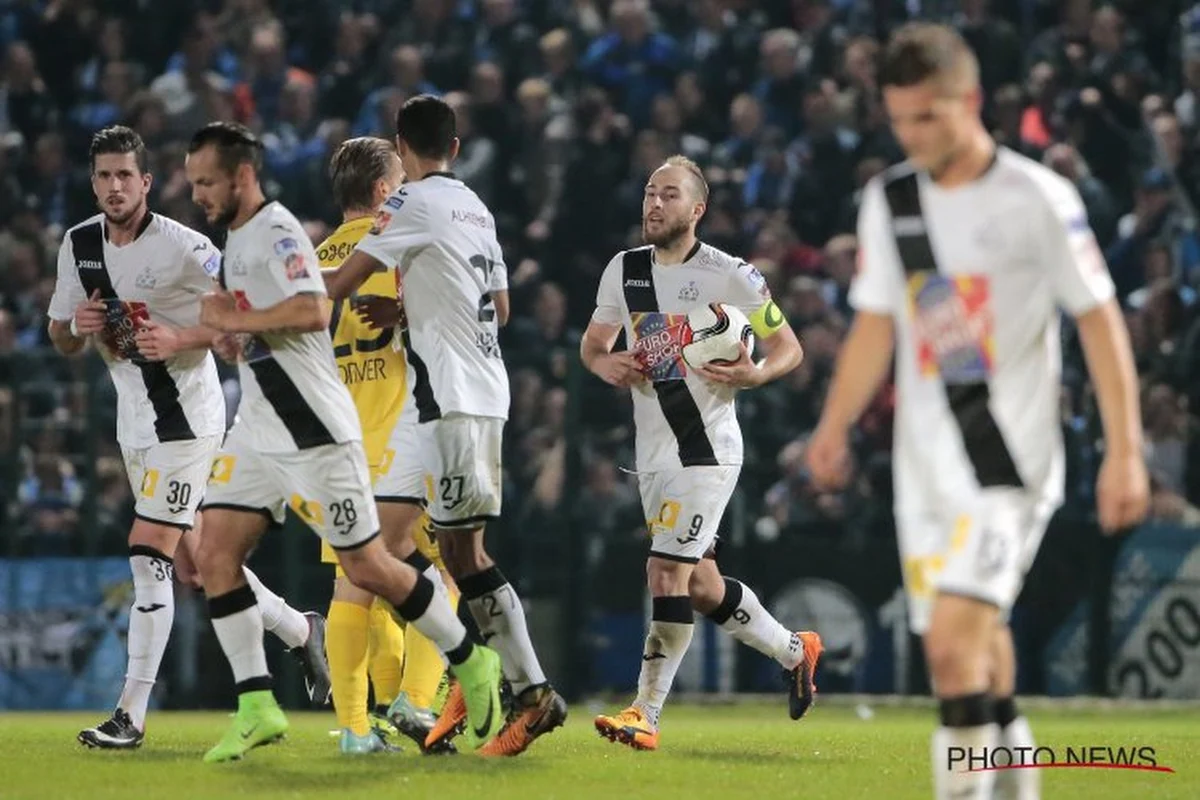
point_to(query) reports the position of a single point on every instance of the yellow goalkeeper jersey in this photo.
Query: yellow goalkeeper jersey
(369, 360)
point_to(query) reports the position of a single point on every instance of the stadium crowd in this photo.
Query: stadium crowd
(564, 108)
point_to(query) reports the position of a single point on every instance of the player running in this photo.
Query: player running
(405, 667)
(442, 238)
(967, 251)
(297, 443)
(131, 281)
(689, 443)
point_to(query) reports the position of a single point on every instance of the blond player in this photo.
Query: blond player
(405, 668)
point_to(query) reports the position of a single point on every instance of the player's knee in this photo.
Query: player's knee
(956, 663)
(362, 569)
(163, 538)
(667, 578)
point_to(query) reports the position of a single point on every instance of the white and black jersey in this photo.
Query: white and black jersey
(974, 278)
(158, 276)
(292, 396)
(681, 419)
(442, 238)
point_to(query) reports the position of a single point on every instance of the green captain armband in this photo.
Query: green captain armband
(767, 319)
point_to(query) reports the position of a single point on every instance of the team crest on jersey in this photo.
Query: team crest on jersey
(658, 344)
(953, 326)
(146, 279)
(690, 293)
(382, 220)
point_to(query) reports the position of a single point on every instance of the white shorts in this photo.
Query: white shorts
(462, 456)
(168, 479)
(982, 552)
(684, 508)
(329, 488)
(401, 475)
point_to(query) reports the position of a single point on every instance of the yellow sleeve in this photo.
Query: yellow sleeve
(767, 319)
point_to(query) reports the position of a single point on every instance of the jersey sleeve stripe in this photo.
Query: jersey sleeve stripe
(289, 405)
(970, 403)
(674, 397)
(170, 421)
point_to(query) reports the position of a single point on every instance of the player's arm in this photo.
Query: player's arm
(501, 301)
(159, 341)
(73, 316)
(748, 291)
(344, 281)
(595, 349)
(866, 355)
(1085, 290)
(304, 312)
(498, 289)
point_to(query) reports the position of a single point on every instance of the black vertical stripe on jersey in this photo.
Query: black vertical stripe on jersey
(427, 406)
(170, 422)
(674, 397)
(969, 402)
(289, 404)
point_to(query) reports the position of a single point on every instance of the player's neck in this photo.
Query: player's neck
(424, 168)
(254, 201)
(356, 213)
(677, 253)
(125, 233)
(970, 163)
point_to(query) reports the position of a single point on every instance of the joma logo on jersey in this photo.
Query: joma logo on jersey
(88, 264)
(638, 282)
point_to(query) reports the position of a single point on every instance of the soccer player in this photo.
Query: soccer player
(297, 443)
(131, 281)
(689, 443)
(362, 637)
(442, 238)
(967, 251)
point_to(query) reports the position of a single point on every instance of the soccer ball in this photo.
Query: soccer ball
(713, 335)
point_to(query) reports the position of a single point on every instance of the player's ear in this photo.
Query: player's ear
(454, 145)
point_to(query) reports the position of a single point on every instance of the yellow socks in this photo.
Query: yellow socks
(386, 648)
(346, 647)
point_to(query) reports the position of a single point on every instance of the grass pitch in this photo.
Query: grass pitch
(743, 750)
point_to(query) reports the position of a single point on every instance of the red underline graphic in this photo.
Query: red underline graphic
(1084, 765)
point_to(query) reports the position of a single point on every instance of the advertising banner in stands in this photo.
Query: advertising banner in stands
(63, 623)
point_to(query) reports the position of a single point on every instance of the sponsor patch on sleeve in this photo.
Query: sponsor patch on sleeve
(382, 220)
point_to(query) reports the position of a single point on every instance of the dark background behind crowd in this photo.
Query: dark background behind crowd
(564, 108)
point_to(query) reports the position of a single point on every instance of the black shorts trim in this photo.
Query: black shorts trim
(263, 512)
(675, 558)
(468, 522)
(401, 499)
(181, 526)
(348, 548)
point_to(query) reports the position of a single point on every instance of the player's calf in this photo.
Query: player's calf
(957, 647)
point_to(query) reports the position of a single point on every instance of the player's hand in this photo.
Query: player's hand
(378, 311)
(619, 369)
(216, 310)
(90, 316)
(1122, 492)
(828, 457)
(741, 374)
(227, 347)
(156, 341)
